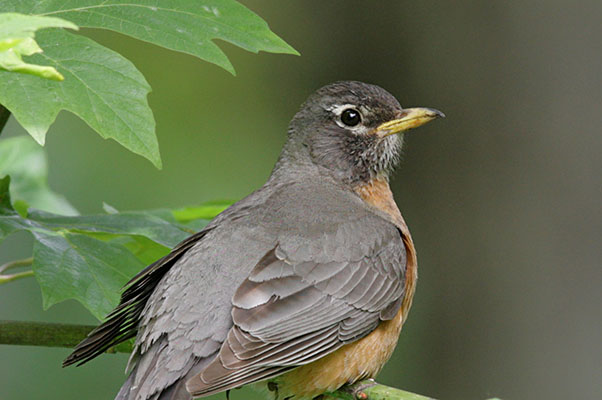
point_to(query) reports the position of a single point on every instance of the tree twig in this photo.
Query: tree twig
(4, 114)
(26, 262)
(14, 277)
(49, 335)
(370, 390)
(15, 264)
(64, 335)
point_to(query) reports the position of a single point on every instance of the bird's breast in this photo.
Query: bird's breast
(363, 358)
(377, 194)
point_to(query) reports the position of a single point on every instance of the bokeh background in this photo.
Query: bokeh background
(503, 197)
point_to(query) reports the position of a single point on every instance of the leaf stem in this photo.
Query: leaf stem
(26, 262)
(14, 277)
(4, 114)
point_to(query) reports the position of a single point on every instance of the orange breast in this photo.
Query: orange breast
(365, 357)
(378, 194)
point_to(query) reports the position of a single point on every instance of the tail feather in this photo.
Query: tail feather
(124, 392)
(178, 391)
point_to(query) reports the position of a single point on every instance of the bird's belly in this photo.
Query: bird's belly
(355, 361)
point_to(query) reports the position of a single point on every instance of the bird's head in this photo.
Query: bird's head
(353, 130)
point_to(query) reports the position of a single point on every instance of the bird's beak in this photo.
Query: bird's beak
(408, 119)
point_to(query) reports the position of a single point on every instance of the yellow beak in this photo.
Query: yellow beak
(409, 118)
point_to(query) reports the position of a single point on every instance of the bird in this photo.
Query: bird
(299, 288)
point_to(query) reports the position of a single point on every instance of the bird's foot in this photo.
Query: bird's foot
(357, 390)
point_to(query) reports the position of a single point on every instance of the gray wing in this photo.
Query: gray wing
(305, 299)
(176, 337)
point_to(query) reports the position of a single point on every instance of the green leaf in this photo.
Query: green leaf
(109, 209)
(10, 221)
(10, 59)
(5, 204)
(182, 25)
(142, 247)
(16, 40)
(126, 223)
(100, 86)
(25, 162)
(21, 207)
(90, 258)
(18, 26)
(205, 211)
(75, 266)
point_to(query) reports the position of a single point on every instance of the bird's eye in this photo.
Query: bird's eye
(351, 117)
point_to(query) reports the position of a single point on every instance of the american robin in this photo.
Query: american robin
(301, 287)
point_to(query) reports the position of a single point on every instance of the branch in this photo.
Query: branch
(370, 390)
(4, 114)
(65, 335)
(14, 264)
(49, 335)
(14, 277)
(26, 262)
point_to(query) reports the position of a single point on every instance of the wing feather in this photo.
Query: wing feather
(293, 309)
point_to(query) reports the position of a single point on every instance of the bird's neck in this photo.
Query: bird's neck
(377, 193)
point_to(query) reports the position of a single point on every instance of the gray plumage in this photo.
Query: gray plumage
(285, 276)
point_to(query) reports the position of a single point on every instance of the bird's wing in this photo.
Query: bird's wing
(307, 298)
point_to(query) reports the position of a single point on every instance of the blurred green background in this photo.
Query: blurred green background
(503, 197)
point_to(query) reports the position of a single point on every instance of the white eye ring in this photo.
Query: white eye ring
(338, 111)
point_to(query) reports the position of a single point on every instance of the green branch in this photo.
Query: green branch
(370, 390)
(26, 262)
(15, 264)
(14, 277)
(65, 335)
(49, 335)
